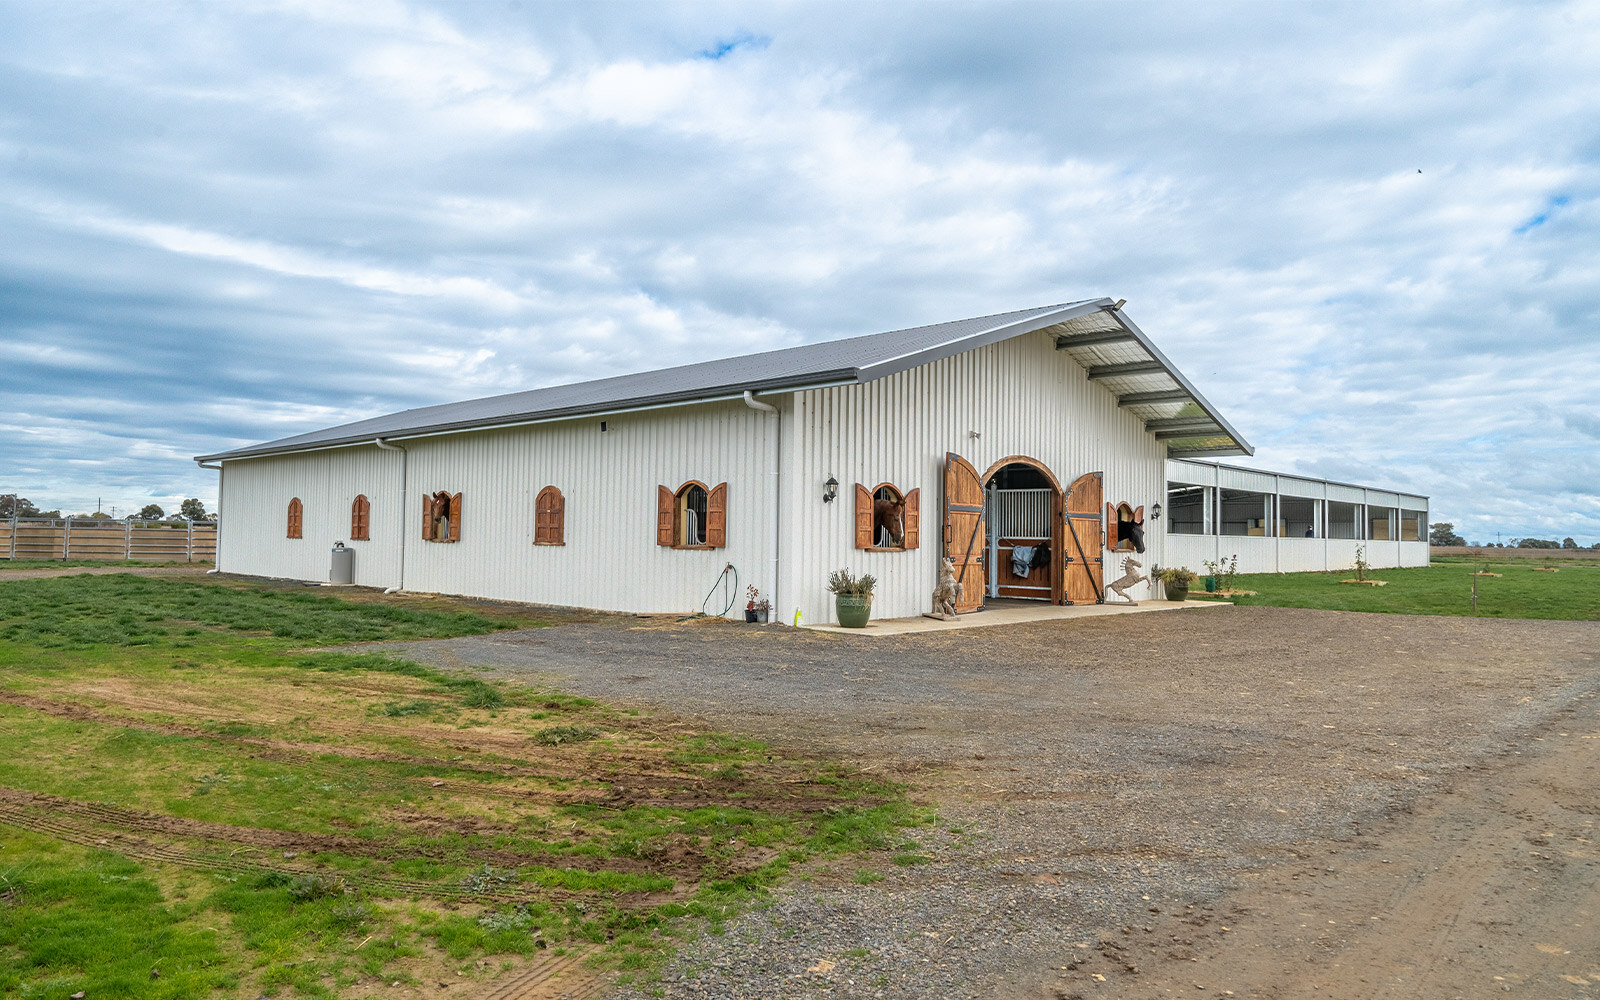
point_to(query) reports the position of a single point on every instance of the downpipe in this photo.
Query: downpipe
(404, 455)
(773, 441)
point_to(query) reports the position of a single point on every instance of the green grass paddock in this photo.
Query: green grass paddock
(1444, 588)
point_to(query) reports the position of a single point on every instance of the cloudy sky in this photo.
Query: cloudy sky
(1369, 233)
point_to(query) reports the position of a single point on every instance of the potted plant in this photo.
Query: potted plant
(852, 597)
(1213, 570)
(1176, 580)
(755, 607)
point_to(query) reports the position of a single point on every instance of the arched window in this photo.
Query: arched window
(441, 517)
(1125, 527)
(887, 519)
(295, 517)
(360, 517)
(549, 515)
(692, 517)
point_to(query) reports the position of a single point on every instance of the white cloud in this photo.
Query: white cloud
(356, 207)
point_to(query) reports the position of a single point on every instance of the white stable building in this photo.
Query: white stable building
(1029, 447)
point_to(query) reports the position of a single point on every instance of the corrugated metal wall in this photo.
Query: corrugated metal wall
(256, 494)
(1291, 555)
(609, 479)
(1021, 397)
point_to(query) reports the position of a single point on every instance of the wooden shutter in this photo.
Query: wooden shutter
(864, 539)
(1058, 550)
(717, 516)
(455, 518)
(913, 518)
(295, 511)
(964, 540)
(666, 515)
(1111, 525)
(1085, 581)
(359, 514)
(427, 517)
(549, 515)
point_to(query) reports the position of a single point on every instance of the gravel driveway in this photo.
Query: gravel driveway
(1086, 773)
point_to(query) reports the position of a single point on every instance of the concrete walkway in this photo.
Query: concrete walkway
(1010, 613)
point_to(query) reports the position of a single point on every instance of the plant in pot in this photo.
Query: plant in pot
(852, 597)
(1176, 580)
(755, 606)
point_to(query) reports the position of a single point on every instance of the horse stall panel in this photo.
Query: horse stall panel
(1020, 519)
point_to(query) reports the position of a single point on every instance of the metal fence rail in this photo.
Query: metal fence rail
(63, 538)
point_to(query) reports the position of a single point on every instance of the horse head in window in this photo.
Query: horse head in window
(1130, 529)
(891, 515)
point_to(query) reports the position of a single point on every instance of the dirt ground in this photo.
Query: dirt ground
(1246, 801)
(43, 572)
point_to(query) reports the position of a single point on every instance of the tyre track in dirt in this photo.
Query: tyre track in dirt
(641, 787)
(90, 834)
(682, 862)
(551, 977)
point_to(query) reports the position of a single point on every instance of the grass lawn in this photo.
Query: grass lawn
(1444, 588)
(194, 800)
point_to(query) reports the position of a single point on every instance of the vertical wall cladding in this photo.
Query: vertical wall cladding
(608, 479)
(257, 492)
(1294, 554)
(1019, 397)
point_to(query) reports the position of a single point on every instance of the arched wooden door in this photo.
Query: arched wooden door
(1058, 540)
(1085, 580)
(964, 539)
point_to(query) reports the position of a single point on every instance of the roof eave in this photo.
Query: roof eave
(715, 394)
(1178, 377)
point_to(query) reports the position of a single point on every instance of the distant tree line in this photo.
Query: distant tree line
(1444, 533)
(12, 505)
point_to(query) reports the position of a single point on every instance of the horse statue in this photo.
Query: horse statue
(948, 591)
(889, 516)
(1128, 579)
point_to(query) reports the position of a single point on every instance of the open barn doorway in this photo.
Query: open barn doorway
(1023, 504)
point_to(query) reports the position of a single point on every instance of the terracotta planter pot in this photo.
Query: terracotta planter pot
(853, 612)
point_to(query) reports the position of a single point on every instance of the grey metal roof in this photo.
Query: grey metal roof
(855, 359)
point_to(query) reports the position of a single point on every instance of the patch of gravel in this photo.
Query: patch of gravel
(1084, 771)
